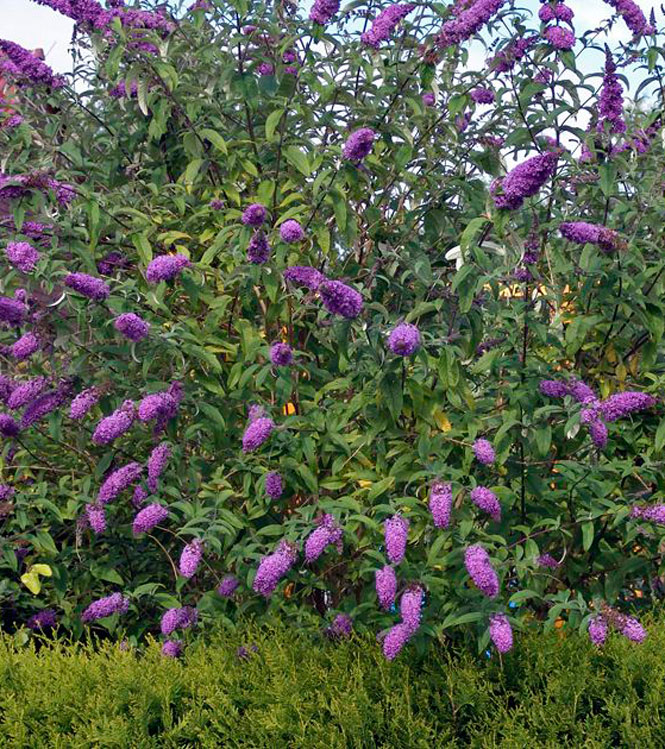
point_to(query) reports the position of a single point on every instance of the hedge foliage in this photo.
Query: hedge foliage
(554, 690)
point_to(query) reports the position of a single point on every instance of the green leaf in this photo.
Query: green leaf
(216, 139)
(299, 160)
(272, 121)
(587, 535)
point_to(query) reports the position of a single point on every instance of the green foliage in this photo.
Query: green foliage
(552, 691)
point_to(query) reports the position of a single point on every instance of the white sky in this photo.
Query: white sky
(32, 25)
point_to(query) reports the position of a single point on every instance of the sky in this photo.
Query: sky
(32, 25)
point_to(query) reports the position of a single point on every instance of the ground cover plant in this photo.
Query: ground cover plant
(304, 316)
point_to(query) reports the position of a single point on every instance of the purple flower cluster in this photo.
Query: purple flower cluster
(178, 618)
(404, 340)
(117, 481)
(304, 275)
(524, 180)
(96, 515)
(326, 534)
(113, 426)
(44, 619)
(620, 405)
(548, 561)
(385, 582)
(25, 67)
(340, 299)
(482, 95)
(610, 102)
(429, 100)
(89, 286)
(441, 503)
(157, 462)
(559, 37)
(395, 640)
(654, 513)
(395, 531)
(254, 215)
(83, 402)
(400, 634)
(45, 404)
(323, 11)
(228, 586)
(103, 607)
(633, 16)
(258, 249)
(487, 501)
(359, 144)
(12, 311)
(161, 407)
(291, 231)
(598, 630)
(172, 648)
(582, 232)
(256, 433)
(131, 326)
(468, 22)
(341, 627)
(274, 485)
(166, 267)
(190, 558)
(28, 391)
(273, 568)
(8, 427)
(484, 452)
(147, 518)
(479, 567)
(281, 354)
(22, 255)
(25, 347)
(384, 24)
(501, 632)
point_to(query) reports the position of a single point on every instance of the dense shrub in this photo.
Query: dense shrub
(332, 305)
(287, 690)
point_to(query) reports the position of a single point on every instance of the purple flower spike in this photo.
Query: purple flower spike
(395, 640)
(113, 426)
(157, 462)
(118, 481)
(89, 286)
(484, 452)
(273, 567)
(257, 432)
(623, 404)
(501, 632)
(96, 515)
(410, 607)
(323, 11)
(22, 255)
(190, 558)
(396, 531)
(384, 24)
(359, 144)
(386, 586)
(83, 402)
(178, 618)
(258, 249)
(166, 267)
(8, 427)
(254, 215)
(228, 586)
(303, 275)
(441, 503)
(281, 354)
(340, 299)
(131, 326)
(559, 37)
(274, 485)
(25, 347)
(479, 567)
(291, 231)
(404, 340)
(325, 535)
(598, 630)
(103, 607)
(524, 180)
(172, 648)
(487, 501)
(148, 518)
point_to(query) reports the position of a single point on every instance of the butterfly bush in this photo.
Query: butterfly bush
(184, 235)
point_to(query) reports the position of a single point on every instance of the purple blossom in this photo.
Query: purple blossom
(410, 607)
(257, 432)
(441, 503)
(281, 354)
(563, 13)
(265, 68)
(157, 462)
(479, 567)
(12, 311)
(291, 231)
(166, 267)
(44, 619)
(559, 37)
(482, 95)
(83, 402)
(395, 640)
(96, 515)
(22, 255)
(581, 392)
(509, 56)
(632, 15)
(274, 485)
(161, 407)
(103, 607)
(598, 432)
(327, 533)
(303, 275)
(404, 340)
(258, 249)
(45, 404)
(273, 567)
(340, 299)
(487, 501)
(322, 11)
(501, 632)
(117, 481)
(384, 24)
(178, 618)
(147, 518)
(632, 629)
(429, 100)
(524, 180)
(6, 492)
(341, 627)
(396, 531)
(359, 144)
(8, 427)
(547, 560)
(484, 452)
(26, 67)
(468, 22)
(582, 232)
(131, 326)
(598, 630)
(27, 391)
(254, 215)
(25, 347)
(89, 286)
(655, 513)
(140, 495)
(190, 558)
(546, 13)
(619, 405)
(610, 103)
(216, 204)
(172, 648)
(116, 424)
(385, 582)
(7, 387)
(228, 586)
